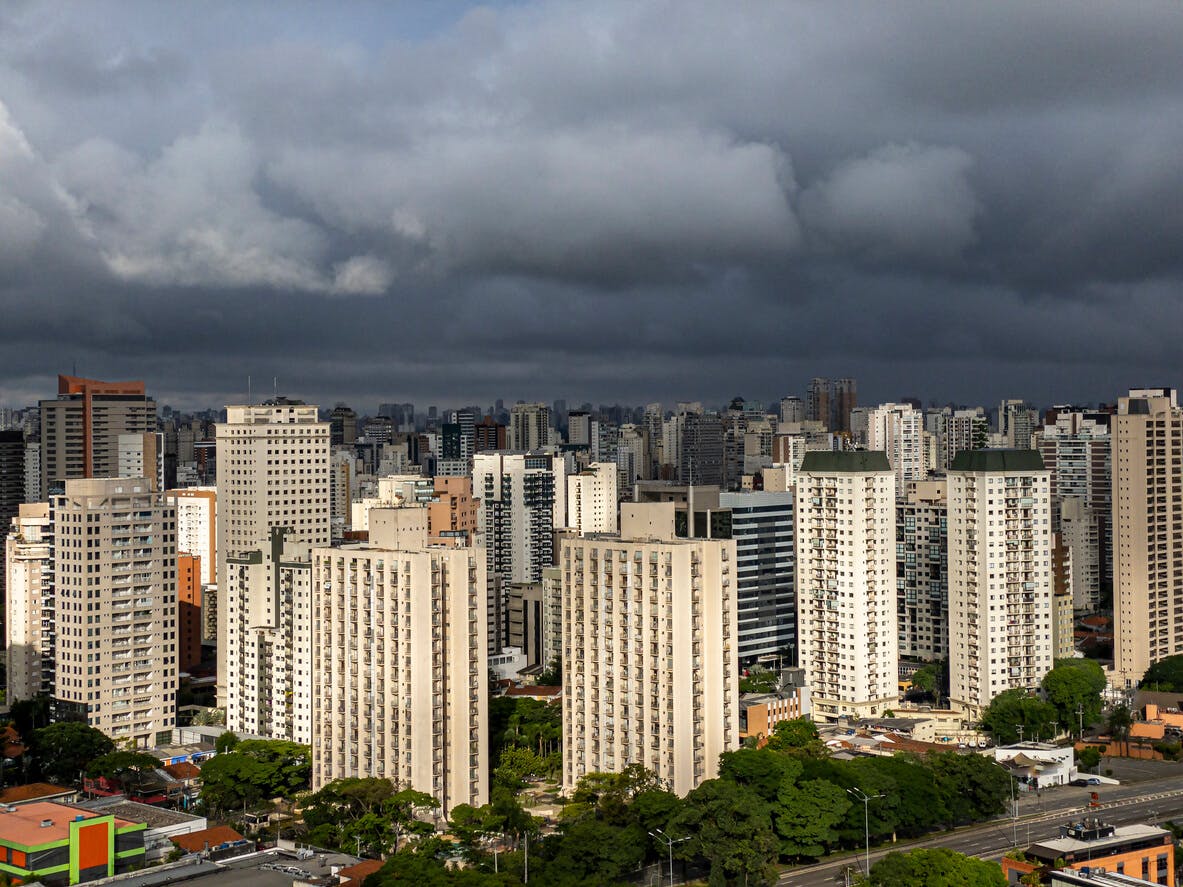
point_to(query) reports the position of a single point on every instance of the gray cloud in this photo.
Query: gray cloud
(603, 200)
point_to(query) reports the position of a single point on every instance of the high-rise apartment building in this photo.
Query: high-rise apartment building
(846, 583)
(343, 426)
(579, 428)
(765, 576)
(116, 608)
(792, 409)
(923, 572)
(399, 651)
(898, 430)
(1000, 581)
(1147, 516)
(649, 668)
(29, 608)
(1017, 422)
(12, 493)
(342, 483)
(273, 472)
(592, 499)
(700, 453)
(197, 524)
(845, 399)
(141, 455)
(267, 611)
(453, 515)
(529, 426)
(80, 429)
(1082, 537)
(817, 407)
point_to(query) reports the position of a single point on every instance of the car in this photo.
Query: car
(1093, 780)
(1080, 782)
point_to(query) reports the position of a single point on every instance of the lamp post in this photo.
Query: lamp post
(857, 792)
(658, 835)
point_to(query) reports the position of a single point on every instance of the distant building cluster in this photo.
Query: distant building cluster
(363, 583)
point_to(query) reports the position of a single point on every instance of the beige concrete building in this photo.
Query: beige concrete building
(400, 662)
(923, 583)
(29, 608)
(116, 608)
(269, 625)
(273, 472)
(197, 523)
(846, 583)
(1147, 435)
(452, 513)
(649, 653)
(898, 430)
(80, 429)
(1000, 578)
(592, 498)
(529, 426)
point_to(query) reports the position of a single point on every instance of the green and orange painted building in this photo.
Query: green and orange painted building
(57, 844)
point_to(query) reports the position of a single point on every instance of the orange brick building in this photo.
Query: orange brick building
(188, 611)
(1140, 851)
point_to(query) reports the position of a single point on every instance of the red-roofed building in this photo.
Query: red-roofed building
(218, 842)
(37, 791)
(355, 875)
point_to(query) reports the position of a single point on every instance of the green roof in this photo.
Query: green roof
(824, 461)
(997, 460)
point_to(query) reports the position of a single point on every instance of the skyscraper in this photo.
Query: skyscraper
(12, 494)
(400, 656)
(817, 407)
(80, 429)
(116, 621)
(591, 499)
(649, 666)
(898, 430)
(923, 579)
(845, 399)
(846, 583)
(273, 473)
(30, 617)
(1147, 516)
(529, 426)
(1000, 581)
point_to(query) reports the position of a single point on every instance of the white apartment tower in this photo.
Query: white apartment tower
(649, 651)
(898, 430)
(1000, 575)
(399, 643)
(846, 583)
(269, 625)
(116, 607)
(29, 608)
(592, 498)
(273, 472)
(529, 426)
(197, 523)
(1147, 517)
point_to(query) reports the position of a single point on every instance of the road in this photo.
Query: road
(1039, 817)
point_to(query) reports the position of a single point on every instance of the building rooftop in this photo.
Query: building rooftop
(195, 842)
(1122, 836)
(856, 461)
(44, 822)
(154, 817)
(22, 794)
(997, 460)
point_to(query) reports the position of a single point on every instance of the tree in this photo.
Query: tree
(939, 867)
(29, 714)
(1088, 758)
(1119, 722)
(972, 787)
(759, 680)
(796, 734)
(553, 675)
(807, 817)
(127, 768)
(1074, 687)
(1166, 674)
(64, 750)
(256, 770)
(401, 808)
(225, 743)
(1012, 708)
(761, 770)
(731, 828)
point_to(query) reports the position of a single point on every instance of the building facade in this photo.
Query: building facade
(399, 650)
(922, 530)
(1147, 515)
(1000, 579)
(846, 583)
(649, 668)
(30, 620)
(592, 499)
(116, 608)
(898, 430)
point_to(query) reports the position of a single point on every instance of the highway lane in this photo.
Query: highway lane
(1120, 805)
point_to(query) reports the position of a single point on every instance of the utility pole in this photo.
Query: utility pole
(1019, 727)
(1014, 814)
(861, 795)
(1080, 717)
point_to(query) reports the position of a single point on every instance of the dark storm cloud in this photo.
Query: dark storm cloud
(604, 200)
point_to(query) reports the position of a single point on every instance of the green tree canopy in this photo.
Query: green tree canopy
(1166, 674)
(256, 770)
(939, 867)
(1012, 708)
(807, 817)
(1074, 687)
(64, 750)
(761, 770)
(730, 827)
(797, 734)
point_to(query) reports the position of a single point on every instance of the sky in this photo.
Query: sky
(632, 201)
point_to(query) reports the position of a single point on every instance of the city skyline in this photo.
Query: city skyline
(555, 199)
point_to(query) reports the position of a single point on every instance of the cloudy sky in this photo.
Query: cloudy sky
(444, 202)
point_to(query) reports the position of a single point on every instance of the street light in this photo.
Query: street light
(658, 835)
(857, 792)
